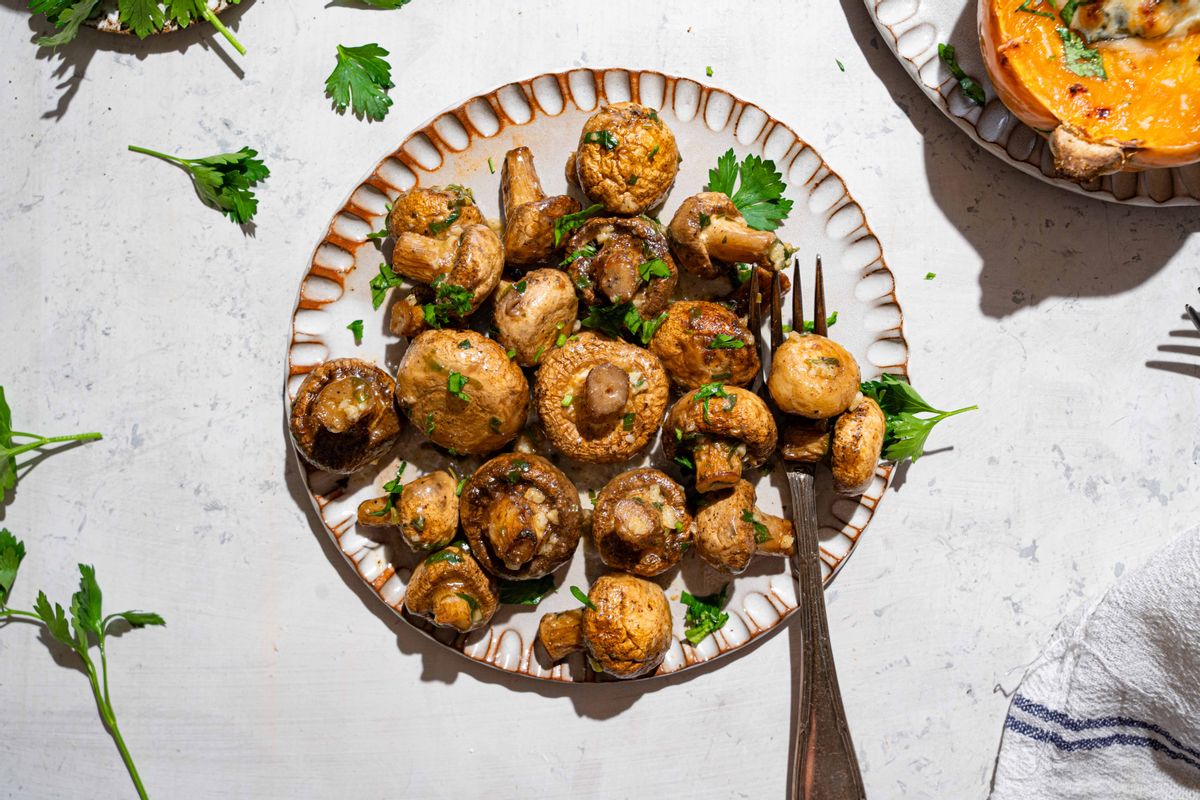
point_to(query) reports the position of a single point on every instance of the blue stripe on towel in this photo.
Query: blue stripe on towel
(1045, 714)
(1096, 743)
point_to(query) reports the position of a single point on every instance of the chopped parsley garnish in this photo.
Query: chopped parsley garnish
(382, 233)
(684, 462)
(439, 225)
(623, 320)
(631, 180)
(841, 66)
(653, 150)
(455, 385)
(627, 421)
(567, 399)
(582, 597)
(1084, 61)
(394, 489)
(449, 302)
(930, 276)
(708, 71)
(761, 534)
(811, 325)
(356, 327)
(448, 555)
(726, 341)
(465, 344)
(711, 390)
(970, 87)
(519, 468)
(386, 279)
(361, 81)
(704, 614)
(587, 251)
(906, 432)
(603, 138)
(654, 268)
(491, 166)
(494, 424)
(430, 425)
(569, 222)
(759, 194)
(744, 272)
(521, 286)
(526, 593)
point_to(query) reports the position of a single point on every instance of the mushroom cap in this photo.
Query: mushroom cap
(654, 497)
(638, 172)
(426, 512)
(531, 321)
(740, 417)
(813, 376)
(520, 476)
(564, 371)
(561, 633)
(731, 529)
(624, 245)
(707, 231)
(472, 260)
(450, 589)
(360, 397)
(857, 444)
(529, 229)
(629, 630)
(684, 344)
(416, 209)
(498, 391)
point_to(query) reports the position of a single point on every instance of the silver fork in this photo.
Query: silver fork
(823, 763)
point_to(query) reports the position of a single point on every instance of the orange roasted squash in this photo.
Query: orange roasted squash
(1114, 84)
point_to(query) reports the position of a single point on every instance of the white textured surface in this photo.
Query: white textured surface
(161, 326)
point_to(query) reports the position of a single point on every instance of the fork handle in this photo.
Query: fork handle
(824, 765)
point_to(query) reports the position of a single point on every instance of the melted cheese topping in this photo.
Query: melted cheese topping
(1143, 19)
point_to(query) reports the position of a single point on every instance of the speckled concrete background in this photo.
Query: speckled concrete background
(128, 307)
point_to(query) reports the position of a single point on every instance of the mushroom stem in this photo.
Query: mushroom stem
(519, 182)
(635, 524)
(343, 403)
(728, 241)
(562, 633)
(408, 318)
(423, 258)
(605, 392)
(1082, 159)
(718, 466)
(510, 532)
(781, 539)
(451, 607)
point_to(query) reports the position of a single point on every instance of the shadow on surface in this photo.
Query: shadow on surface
(1188, 339)
(1036, 242)
(74, 57)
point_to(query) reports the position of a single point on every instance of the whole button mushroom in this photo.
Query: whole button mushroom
(529, 215)
(600, 400)
(461, 270)
(615, 261)
(343, 417)
(534, 312)
(626, 159)
(462, 391)
(640, 523)
(625, 627)
(521, 515)
(702, 342)
(813, 376)
(708, 232)
(726, 429)
(731, 530)
(449, 589)
(857, 444)
(434, 211)
(424, 511)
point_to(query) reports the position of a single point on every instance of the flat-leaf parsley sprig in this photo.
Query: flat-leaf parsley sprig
(223, 181)
(143, 17)
(759, 194)
(86, 626)
(10, 448)
(906, 432)
(360, 81)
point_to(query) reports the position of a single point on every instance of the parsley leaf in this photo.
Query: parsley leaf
(711, 390)
(450, 302)
(623, 320)
(704, 614)
(223, 181)
(759, 194)
(12, 553)
(603, 138)
(726, 341)
(455, 385)
(761, 533)
(1084, 61)
(10, 449)
(386, 279)
(360, 81)
(448, 555)
(654, 268)
(811, 325)
(67, 17)
(906, 432)
(569, 222)
(356, 327)
(970, 87)
(387, 3)
(582, 597)
(587, 251)
(394, 488)
(526, 593)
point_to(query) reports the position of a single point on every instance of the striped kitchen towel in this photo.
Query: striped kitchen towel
(1111, 708)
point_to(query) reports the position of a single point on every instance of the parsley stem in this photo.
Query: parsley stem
(207, 13)
(946, 414)
(110, 720)
(146, 152)
(13, 612)
(45, 440)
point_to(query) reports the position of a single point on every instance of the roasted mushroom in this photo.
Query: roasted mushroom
(625, 627)
(702, 342)
(708, 228)
(626, 159)
(451, 590)
(532, 314)
(434, 211)
(529, 215)
(424, 511)
(462, 270)
(803, 439)
(726, 429)
(857, 444)
(343, 417)
(813, 377)
(408, 317)
(731, 529)
(462, 391)
(640, 523)
(615, 261)
(521, 515)
(600, 400)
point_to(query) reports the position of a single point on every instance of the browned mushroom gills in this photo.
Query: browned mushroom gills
(725, 429)
(857, 444)
(562, 385)
(436, 211)
(529, 215)
(450, 589)
(462, 391)
(561, 633)
(626, 159)
(343, 417)
(521, 516)
(731, 529)
(617, 261)
(462, 269)
(708, 234)
(812, 376)
(703, 342)
(641, 523)
(424, 511)
(627, 627)
(534, 314)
